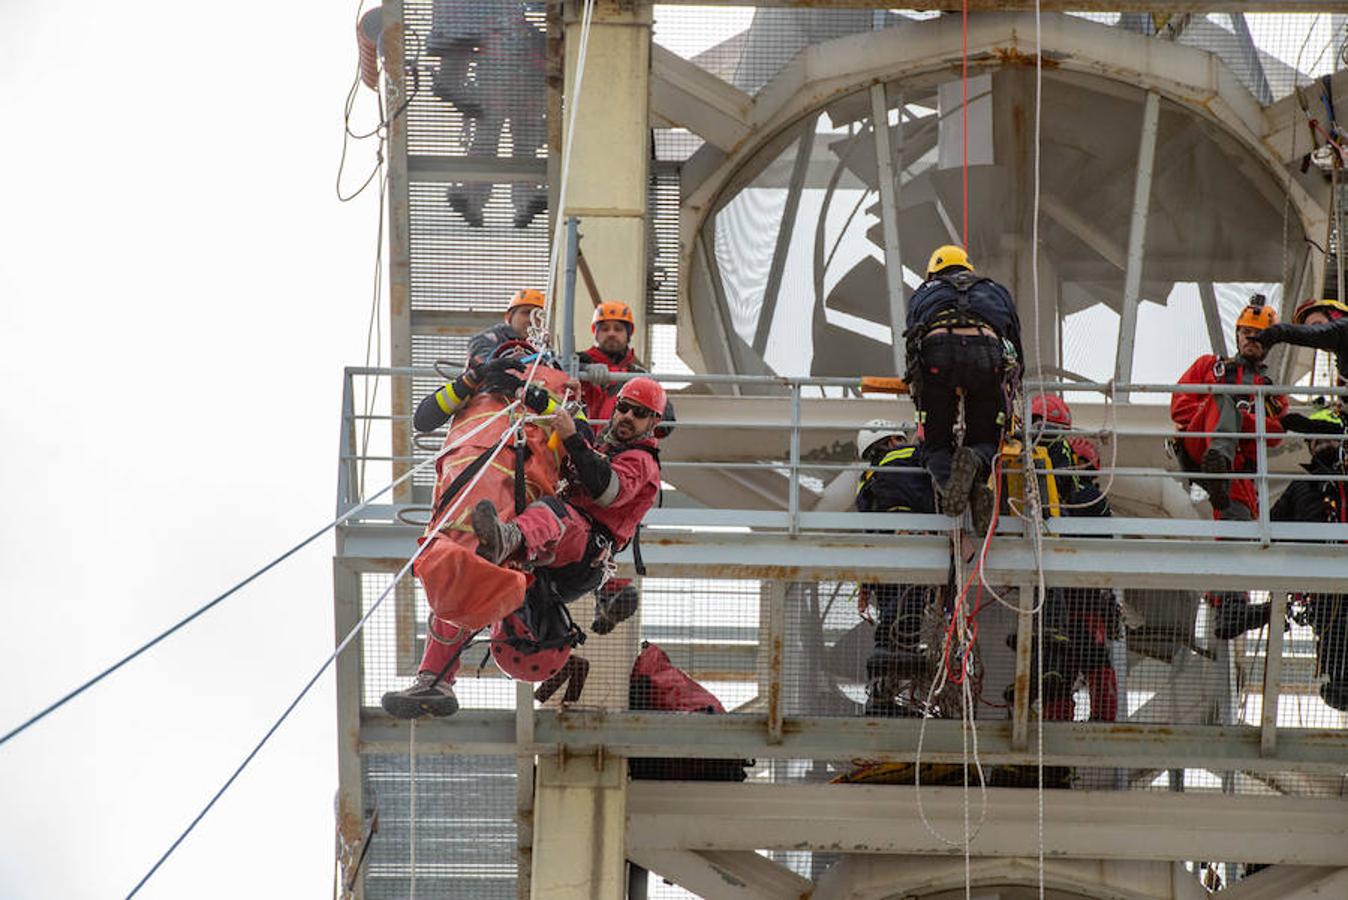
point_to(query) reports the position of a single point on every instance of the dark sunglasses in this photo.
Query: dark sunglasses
(631, 409)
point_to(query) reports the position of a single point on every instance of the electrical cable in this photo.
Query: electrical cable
(501, 443)
(52, 707)
(964, 115)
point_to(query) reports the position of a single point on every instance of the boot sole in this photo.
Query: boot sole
(400, 706)
(1219, 492)
(963, 470)
(981, 508)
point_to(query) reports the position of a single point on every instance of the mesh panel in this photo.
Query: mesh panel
(465, 826)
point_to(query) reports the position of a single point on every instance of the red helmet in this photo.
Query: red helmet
(1331, 308)
(1088, 457)
(1051, 408)
(518, 653)
(645, 392)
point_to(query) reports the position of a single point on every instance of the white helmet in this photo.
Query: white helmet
(877, 430)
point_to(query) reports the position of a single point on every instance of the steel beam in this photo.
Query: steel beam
(1212, 317)
(685, 95)
(645, 734)
(1137, 238)
(786, 228)
(1079, 824)
(725, 875)
(1268, 728)
(476, 170)
(350, 677)
(889, 218)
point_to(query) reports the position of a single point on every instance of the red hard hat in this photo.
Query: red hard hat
(511, 643)
(1052, 409)
(646, 392)
(1086, 452)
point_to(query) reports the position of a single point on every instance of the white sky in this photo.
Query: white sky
(179, 290)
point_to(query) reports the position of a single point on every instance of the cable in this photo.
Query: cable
(345, 642)
(964, 114)
(254, 576)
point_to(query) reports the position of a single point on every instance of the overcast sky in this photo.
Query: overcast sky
(179, 290)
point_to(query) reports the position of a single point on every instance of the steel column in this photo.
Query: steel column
(1268, 719)
(399, 240)
(889, 217)
(1020, 709)
(799, 169)
(350, 677)
(1137, 238)
(1212, 317)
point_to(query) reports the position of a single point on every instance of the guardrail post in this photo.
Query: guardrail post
(347, 470)
(568, 329)
(793, 489)
(1261, 457)
(776, 638)
(1268, 722)
(1020, 705)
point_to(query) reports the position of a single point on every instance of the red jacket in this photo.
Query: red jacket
(600, 398)
(637, 469)
(1198, 412)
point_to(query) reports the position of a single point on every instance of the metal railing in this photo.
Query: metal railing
(788, 470)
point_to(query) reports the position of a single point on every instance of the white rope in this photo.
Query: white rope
(345, 642)
(1031, 479)
(412, 805)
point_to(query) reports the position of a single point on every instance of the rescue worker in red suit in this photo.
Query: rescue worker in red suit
(1231, 414)
(613, 326)
(611, 486)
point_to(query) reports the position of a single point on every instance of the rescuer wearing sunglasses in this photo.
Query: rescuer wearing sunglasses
(611, 485)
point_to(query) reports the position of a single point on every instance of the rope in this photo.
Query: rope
(241, 584)
(345, 642)
(412, 805)
(964, 115)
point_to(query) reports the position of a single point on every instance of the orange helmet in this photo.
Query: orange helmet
(1257, 315)
(613, 311)
(526, 297)
(1332, 308)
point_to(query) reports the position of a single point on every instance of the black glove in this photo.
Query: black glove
(537, 398)
(1270, 335)
(498, 376)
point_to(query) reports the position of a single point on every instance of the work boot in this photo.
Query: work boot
(530, 209)
(982, 504)
(497, 541)
(1219, 492)
(459, 203)
(613, 605)
(427, 696)
(964, 467)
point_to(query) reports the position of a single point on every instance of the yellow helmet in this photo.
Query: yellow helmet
(949, 255)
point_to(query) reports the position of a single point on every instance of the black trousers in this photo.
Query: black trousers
(950, 363)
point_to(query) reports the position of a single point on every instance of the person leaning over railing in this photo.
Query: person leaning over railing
(1230, 414)
(963, 341)
(901, 485)
(1322, 501)
(1322, 324)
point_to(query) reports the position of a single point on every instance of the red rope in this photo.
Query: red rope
(964, 112)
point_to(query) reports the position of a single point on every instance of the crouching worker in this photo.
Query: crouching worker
(1231, 415)
(901, 485)
(963, 346)
(611, 486)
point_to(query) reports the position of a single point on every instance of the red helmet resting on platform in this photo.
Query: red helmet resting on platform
(520, 654)
(1087, 454)
(645, 392)
(1051, 408)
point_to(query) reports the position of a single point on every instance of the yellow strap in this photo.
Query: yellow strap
(447, 400)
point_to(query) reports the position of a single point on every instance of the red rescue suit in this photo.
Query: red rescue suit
(600, 398)
(618, 510)
(1199, 412)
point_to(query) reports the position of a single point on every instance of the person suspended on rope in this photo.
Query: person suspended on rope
(902, 484)
(1322, 324)
(1230, 414)
(613, 327)
(1306, 501)
(612, 484)
(964, 349)
(518, 317)
(1078, 623)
